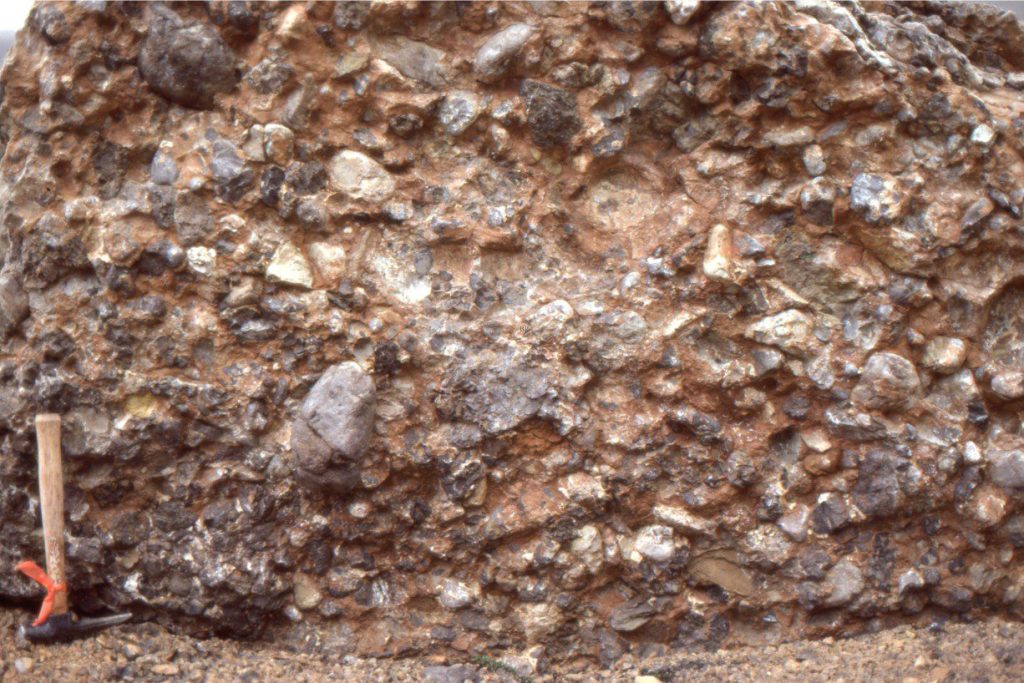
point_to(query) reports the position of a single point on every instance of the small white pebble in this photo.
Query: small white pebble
(983, 135)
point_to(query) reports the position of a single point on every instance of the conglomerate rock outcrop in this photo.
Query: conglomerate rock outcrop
(406, 326)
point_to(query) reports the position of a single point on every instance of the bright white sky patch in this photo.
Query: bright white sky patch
(13, 14)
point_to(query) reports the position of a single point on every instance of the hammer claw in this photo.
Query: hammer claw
(61, 628)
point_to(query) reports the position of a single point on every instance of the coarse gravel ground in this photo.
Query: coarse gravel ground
(983, 651)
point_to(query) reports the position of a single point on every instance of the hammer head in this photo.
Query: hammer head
(60, 628)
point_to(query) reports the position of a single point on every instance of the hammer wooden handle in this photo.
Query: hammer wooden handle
(51, 500)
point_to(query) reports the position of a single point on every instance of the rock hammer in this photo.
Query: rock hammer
(55, 623)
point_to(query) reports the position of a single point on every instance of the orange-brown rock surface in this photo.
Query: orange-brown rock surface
(562, 328)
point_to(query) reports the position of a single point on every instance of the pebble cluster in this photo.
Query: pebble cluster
(567, 328)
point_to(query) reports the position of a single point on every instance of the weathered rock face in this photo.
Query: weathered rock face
(487, 325)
